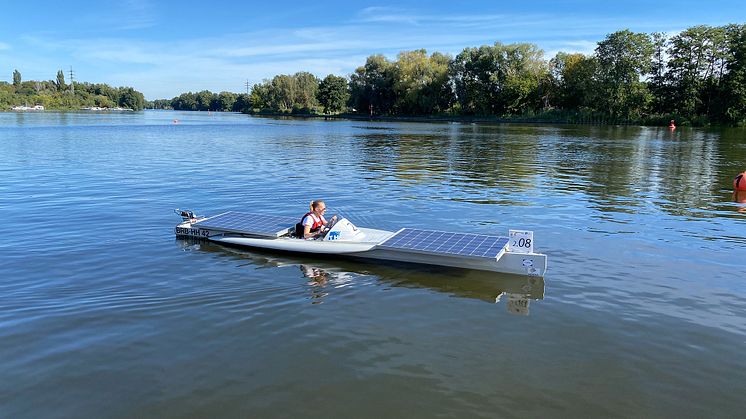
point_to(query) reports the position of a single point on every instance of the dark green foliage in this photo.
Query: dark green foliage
(60, 81)
(295, 93)
(732, 100)
(131, 98)
(623, 58)
(372, 86)
(16, 78)
(421, 84)
(242, 103)
(333, 94)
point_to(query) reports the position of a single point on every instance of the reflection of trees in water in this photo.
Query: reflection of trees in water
(467, 157)
(619, 169)
(406, 156)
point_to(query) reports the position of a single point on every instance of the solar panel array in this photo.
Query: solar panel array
(442, 242)
(256, 224)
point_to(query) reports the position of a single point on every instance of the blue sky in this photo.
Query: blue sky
(164, 48)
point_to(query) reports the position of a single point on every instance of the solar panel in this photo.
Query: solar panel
(442, 242)
(256, 224)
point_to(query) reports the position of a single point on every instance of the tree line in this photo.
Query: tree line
(203, 101)
(57, 94)
(697, 76)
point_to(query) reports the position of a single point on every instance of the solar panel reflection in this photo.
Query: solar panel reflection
(431, 241)
(240, 222)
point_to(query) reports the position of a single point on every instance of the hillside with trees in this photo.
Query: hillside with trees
(59, 95)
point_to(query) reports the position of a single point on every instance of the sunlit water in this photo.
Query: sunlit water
(103, 313)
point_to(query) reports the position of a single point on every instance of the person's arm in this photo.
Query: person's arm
(307, 231)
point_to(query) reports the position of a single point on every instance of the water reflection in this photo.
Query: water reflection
(739, 197)
(324, 274)
(618, 169)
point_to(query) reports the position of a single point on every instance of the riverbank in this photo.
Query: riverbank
(543, 118)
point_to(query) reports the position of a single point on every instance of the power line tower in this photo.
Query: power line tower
(72, 81)
(247, 87)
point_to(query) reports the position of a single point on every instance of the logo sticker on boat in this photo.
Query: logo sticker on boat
(334, 235)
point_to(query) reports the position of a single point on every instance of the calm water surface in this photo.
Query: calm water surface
(103, 313)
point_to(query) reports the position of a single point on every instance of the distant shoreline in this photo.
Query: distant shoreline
(461, 119)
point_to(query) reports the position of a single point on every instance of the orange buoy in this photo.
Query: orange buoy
(739, 182)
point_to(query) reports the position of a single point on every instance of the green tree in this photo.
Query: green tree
(225, 101)
(733, 88)
(372, 86)
(203, 100)
(282, 91)
(421, 84)
(500, 79)
(623, 58)
(333, 93)
(260, 97)
(60, 81)
(242, 103)
(658, 85)
(184, 102)
(471, 72)
(306, 89)
(131, 98)
(697, 64)
(686, 69)
(524, 70)
(572, 80)
(16, 78)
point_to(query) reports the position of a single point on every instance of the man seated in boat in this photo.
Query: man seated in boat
(313, 225)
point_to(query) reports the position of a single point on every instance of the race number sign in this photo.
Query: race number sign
(521, 241)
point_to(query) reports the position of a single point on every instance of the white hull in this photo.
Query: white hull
(301, 246)
(534, 264)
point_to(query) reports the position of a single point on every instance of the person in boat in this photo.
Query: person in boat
(313, 224)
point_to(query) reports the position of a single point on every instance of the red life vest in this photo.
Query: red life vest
(317, 223)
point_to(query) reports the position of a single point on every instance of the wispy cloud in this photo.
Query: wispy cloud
(4, 46)
(167, 67)
(124, 15)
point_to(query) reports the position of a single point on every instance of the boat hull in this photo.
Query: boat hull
(533, 264)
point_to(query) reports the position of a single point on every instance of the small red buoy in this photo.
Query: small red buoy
(739, 182)
(672, 124)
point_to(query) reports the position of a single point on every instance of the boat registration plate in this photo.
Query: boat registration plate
(192, 232)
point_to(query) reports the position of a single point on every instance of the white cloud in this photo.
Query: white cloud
(167, 68)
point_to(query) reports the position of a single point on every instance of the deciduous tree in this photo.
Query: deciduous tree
(333, 93)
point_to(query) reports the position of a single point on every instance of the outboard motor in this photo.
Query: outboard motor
(344, 230)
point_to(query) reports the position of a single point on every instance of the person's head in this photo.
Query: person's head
(318, 206)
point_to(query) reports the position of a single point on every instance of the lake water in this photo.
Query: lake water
(104, 313)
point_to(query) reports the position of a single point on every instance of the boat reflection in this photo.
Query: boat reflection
(324, 273)
(739, 197)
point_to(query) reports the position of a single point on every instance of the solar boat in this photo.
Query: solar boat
(512, 254)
